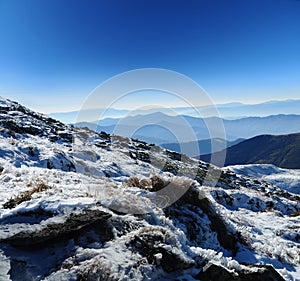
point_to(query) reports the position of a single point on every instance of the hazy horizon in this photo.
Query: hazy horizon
(232, 110)
(234, 102)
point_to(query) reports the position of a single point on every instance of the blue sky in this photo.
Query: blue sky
(53, 53)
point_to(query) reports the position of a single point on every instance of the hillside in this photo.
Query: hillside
(284, 178)
(80, 205)
(282, 151)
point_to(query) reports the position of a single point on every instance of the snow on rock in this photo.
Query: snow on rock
(287, 179)
(80, 205)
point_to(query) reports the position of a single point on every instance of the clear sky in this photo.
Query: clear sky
(53, 53)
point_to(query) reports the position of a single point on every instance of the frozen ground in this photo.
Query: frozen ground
(284, 178)
(95, 209)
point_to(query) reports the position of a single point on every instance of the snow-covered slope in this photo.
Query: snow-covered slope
(76, 205)
(287, 179)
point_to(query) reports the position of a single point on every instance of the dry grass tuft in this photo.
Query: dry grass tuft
(153, 183)
(295, 214)
(39, 186)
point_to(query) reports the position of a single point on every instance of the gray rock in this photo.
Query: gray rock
(73, 223)
(213, 272)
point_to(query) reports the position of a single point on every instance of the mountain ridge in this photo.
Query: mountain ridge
(282, 151)
(229, 110)
(205, 146)
(233, 129)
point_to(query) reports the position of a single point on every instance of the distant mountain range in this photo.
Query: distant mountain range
(203, 146)
(282, 151)
(228, 111)
(159, 128)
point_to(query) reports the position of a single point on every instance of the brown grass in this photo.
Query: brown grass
(136, 182)
(295, 214)
(26, 195)
(153, 183)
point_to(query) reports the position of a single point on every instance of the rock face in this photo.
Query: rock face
(213, 272)
(52, 231)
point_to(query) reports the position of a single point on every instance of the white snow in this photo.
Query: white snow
(288, 179)
(87, 176)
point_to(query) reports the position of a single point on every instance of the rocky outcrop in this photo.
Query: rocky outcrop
(213, 272)
(51, 231)
(226, 237)
(154, 246)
